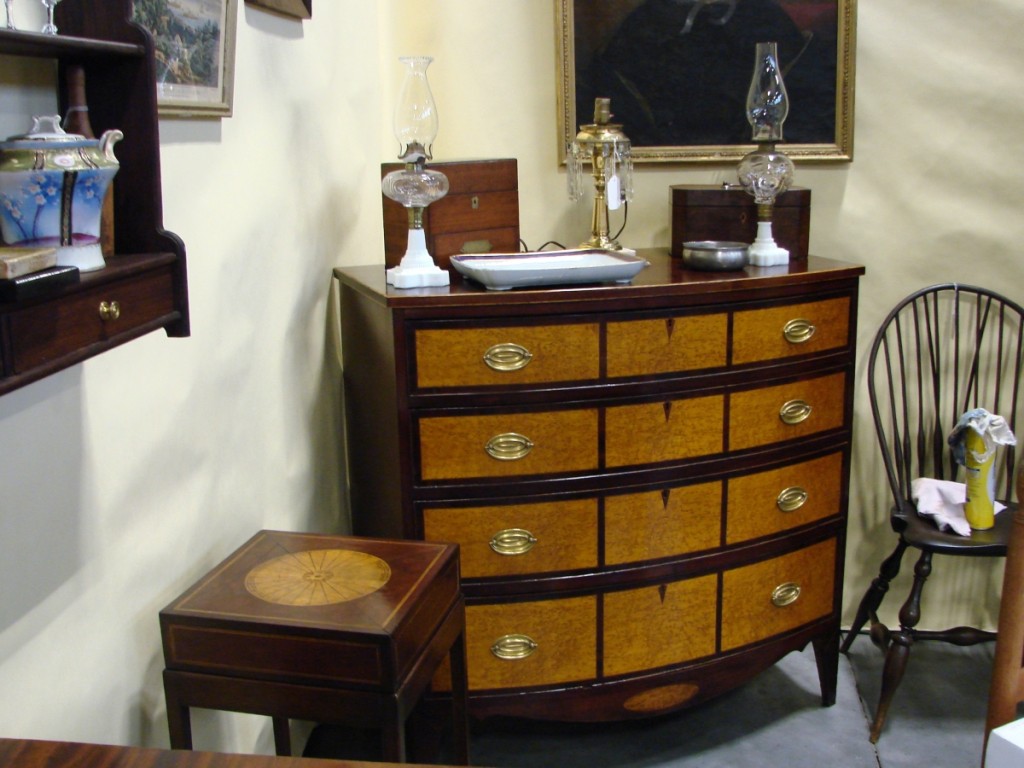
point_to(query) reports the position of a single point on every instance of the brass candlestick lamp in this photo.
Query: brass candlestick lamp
(608, 150)
(414, 186)
(766, 173)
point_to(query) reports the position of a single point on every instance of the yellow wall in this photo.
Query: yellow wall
(125, 478)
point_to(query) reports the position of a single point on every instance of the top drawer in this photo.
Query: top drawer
(504, 356)
(790, 330)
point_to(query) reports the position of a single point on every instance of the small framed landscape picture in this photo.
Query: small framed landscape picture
(195, 54)
(300, 9)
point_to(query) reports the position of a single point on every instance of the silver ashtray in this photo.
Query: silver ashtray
(715, 255)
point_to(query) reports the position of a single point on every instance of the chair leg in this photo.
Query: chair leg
(868, 608)
(899, 649)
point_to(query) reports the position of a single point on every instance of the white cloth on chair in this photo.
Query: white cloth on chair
(943, 501)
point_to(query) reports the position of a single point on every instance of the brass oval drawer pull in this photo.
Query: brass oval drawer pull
(795, 411)
(110, 310)
(791, 499)
(513, 647)
(507, 357)
(798, 330)
(785, 594)
(513, 541)
(508, 446)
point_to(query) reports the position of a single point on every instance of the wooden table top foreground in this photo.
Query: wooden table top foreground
(25, 753)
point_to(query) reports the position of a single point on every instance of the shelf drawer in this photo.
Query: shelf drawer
(543, 642)
(667, 345)
(517, 539)
(507, 445)
(777, 595)
(50, 330)
(794, 329)
(781, 499)
(649, 433)
(785, 412)
(660, 625)
(506, 356)
(656, 524)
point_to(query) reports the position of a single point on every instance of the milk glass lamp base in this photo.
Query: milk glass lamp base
(417, 269)
(764, 251)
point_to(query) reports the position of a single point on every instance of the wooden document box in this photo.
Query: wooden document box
(713, 212)
(480, 213)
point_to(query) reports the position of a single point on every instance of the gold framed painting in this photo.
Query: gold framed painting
(195, 54)
(677, 73)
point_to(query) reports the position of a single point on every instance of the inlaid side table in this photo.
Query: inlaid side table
(330, 629)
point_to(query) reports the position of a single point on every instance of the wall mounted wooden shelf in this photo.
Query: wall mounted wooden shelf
(146, 275)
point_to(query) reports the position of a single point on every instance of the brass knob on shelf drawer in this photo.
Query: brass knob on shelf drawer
(508, 446)
(110, 310)
(507, 357)
(798, 330)
(795, 411)
(785, 594)
(791, 499)
(513, 541)
(513, 647)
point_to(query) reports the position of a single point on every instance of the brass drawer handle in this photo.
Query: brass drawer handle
(508, 446)
(798, 330)
(791, 499)
(785, 594)
(513, 541)
(110, 310)
(513, 647)
(507, 357)
(795, 411)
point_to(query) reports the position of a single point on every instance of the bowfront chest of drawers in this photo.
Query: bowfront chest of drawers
(648, 482)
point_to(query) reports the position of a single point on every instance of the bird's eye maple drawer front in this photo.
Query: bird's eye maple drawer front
(505, 356)
(540, 642)
(780, 499)
(786, 411)
(789, 330)
(518, 539)
(508, 445)
(48, 331)
(658, 625)
(663, 523)
(777, 595)
(647, 433)
(667, 345)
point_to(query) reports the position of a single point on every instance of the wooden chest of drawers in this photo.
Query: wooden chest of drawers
(648, 482)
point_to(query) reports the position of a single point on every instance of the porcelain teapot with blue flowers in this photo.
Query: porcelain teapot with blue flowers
(52, 186)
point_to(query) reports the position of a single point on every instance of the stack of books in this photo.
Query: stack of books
(30, 272)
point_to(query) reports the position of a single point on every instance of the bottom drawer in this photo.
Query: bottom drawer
(777, 595)
(517, 645)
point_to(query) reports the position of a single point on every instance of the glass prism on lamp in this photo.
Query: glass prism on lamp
(766, 173)
(415, 187)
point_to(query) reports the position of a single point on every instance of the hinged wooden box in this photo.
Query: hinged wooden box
(480, 213)
(713, 212)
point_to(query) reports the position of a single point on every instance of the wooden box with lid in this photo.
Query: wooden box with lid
(480, 213)
(648, 482)
(716, 212)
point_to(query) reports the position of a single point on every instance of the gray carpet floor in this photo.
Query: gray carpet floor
(936, 721)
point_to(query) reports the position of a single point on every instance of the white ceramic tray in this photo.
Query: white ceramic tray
(502, 271)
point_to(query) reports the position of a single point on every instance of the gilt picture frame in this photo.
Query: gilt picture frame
(677, 73)
(299, 9)
(195, 54)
